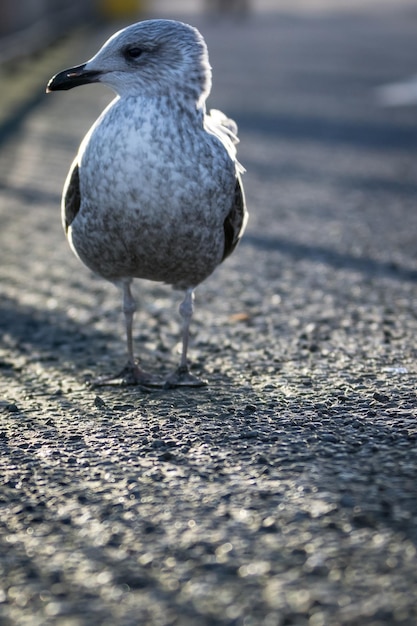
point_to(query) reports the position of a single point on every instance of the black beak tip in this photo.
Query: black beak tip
(72, 77)
(50, 86)
(59, 82)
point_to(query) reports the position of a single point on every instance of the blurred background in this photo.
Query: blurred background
(330, 168)
(303, 80)
(29, 25)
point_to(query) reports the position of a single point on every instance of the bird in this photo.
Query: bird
(155, 191)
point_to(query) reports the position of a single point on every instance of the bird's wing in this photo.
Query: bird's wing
(71, 197)
(225, 129)
(235, 222)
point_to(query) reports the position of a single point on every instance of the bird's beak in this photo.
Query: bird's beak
(73, 77)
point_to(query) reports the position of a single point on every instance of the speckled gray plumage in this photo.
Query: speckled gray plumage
(157, 176)
(155, 190)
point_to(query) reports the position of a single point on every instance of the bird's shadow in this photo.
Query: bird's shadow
(365, 265)
(68, 347)
(31, 334)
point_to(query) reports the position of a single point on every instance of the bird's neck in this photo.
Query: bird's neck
(164, 105)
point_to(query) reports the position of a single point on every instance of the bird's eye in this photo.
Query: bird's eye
(133, 53)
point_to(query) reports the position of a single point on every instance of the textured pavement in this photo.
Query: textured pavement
(284, 493)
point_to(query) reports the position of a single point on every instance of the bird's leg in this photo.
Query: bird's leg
(182, 377)
(186, 311)
(129, 308)
(131, 374)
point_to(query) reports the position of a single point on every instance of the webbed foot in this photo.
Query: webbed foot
(183, 378)
(130, 375)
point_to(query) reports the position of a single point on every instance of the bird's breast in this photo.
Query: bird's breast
(152, 163)
(154, 196)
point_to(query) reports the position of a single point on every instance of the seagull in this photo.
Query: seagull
(155, 190)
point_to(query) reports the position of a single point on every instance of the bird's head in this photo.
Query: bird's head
(151, 58)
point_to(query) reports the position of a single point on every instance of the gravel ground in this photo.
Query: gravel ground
(286, 491)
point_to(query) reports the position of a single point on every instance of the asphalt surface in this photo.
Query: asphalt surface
(284, 493)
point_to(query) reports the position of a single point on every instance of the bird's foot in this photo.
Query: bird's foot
(183, 378)
(130, 375)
